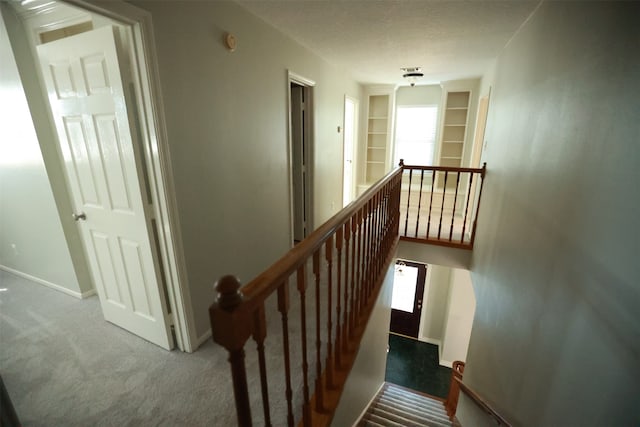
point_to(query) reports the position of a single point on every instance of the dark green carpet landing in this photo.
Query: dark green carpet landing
(414, 364)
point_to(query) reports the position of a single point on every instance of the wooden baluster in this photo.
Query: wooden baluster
(347, 321)
(319, 387)
(338, 349)
(475, 222)
(451, 403)
(232, 333)
(466, 209)
(358, 293)
(433, 187)
(366, 255)
(328, 252)
(354, 268)
(444, 191)
(259, 334)
(455, 202)
(375, 233)
(283, 308)
(419, 202)
(406, 220)
(302, 290)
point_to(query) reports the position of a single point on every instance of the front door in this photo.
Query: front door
(406, 302)
(84, 84)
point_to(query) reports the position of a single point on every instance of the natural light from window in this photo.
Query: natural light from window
(416, 134)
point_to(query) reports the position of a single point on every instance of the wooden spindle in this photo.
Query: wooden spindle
(328, 252)
(354, 268)
(259, 334)
(455, 202)
(318, 383)
(302, 290)
(338, 349)
(466, 209)
(419, 202)
(444, 191)
(433, 187)
(475, 223)
(358, 293)
(406, 220)
(346, 323)
(232, 333)
(283, 308)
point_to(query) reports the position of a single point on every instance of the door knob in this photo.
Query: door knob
(80, 216)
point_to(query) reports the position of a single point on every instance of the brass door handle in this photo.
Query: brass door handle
(80, 216)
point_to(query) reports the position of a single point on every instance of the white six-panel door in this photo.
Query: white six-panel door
(84, 85)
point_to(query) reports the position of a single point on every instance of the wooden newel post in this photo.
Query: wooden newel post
(401, 164)
(231, 328)
(454, 389)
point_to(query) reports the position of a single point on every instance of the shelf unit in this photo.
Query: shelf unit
(454, 128)
(379, 128)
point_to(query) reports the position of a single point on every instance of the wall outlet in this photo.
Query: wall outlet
(14, 248)
(333, 206)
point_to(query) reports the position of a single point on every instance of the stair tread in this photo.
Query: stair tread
(415, 413)
(436, 406)
(410, 394)
(382, 421)
(402, 421)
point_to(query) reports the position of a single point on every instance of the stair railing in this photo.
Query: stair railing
(345, 260)
(439, 205)
(451, 404)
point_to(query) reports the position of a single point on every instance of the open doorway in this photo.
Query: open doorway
(300, 154)
(350, 138)
(108, 160)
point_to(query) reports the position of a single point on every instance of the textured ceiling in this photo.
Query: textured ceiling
(375, 38)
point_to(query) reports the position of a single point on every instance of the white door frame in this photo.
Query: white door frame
(150, 112)
(308, 84)
(356, 107)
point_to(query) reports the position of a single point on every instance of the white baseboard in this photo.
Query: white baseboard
(432, 341)
(75, 294)
(203, 338)
(364, 411)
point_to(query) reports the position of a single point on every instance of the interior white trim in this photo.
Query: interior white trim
(366, 408)
(75, 294)
(204, 337)
(156, 149)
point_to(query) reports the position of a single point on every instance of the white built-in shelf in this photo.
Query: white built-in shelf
(375, 162)
(376, 148)
(377, 118)
(457, 108)
(453, 142)
(455, 124)
(377, 133)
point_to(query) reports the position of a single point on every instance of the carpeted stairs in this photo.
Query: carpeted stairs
(398, 406)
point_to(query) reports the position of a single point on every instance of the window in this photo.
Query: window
(416, 134)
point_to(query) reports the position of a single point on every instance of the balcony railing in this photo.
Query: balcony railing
(439, 205)
(336, 274)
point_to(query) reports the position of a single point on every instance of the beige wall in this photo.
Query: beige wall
(32, 240)
(556, 335)
(227, 127)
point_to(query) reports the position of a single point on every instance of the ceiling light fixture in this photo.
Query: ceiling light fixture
(412, 74)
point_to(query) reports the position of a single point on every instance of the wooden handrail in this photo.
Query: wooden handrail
(266, 282)
(446, 169)
(442, 207)
(454, 391)
(339, 267)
